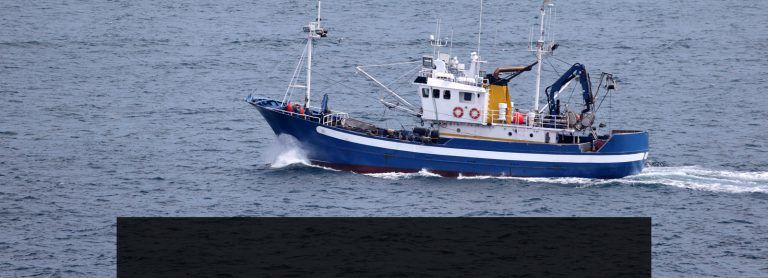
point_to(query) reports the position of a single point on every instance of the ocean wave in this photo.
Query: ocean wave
(699, 178)
(289, 157)
(287, 153)
(560, 180)
(423, 173)
(689, 177)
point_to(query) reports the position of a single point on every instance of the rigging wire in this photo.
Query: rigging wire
(403, 75)
(573, 89)
(553, 66)
(282, 62)
(367, 95)
(406, 74)
(339, 82)
(401, 100)
(559, 60)
(279, 63)
(391, 64)
(384, 116)
(295, 76)
(356, 90)
(334, 83)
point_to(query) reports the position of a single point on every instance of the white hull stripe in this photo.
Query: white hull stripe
(532, 157)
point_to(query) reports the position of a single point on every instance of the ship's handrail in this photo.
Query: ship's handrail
(330, 119)
(305, 116)
(552, 121)
(428, 74)
(540, 120)
(335, 119)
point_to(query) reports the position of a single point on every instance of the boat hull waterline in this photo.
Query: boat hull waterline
(622, 155)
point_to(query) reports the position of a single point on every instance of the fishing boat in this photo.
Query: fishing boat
(469, 125)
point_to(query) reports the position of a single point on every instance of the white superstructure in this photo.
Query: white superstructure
(450, 92)
(461, 101)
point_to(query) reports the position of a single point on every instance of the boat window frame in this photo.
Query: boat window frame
(425, 92)
(436, 93)
(463, 96)
(447, 94)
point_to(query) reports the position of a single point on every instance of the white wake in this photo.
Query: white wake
(423, 173)
(285, 152)
(695, 177)
(689, 177)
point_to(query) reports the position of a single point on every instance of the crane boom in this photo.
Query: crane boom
(577, 70)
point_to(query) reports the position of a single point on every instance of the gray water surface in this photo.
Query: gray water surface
(135, 108)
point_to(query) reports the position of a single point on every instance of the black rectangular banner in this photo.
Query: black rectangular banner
(383, 247)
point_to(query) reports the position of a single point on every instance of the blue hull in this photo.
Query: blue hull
(622, 155)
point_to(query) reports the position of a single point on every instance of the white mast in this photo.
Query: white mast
(480, 28)
(432, 38)
(539, 53)
(313, 31)
(437, 42)
(309, 72)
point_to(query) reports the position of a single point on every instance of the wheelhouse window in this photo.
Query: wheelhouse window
(427, 63)
(446, 94)
(424, 92)
(466, 96)
(435, 93)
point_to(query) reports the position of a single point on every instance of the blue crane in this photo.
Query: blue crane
(577, 70)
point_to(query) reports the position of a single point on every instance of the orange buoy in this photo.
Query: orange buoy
(518, 118)
(301, 110)
(289, 107)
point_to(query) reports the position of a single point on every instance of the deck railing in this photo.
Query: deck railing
(335, 119)
(294, 114)
(331, 119)
(429, 74)
(539, 120)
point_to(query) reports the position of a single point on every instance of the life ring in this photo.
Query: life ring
(297, 108)
(474, 113)
(458, 112)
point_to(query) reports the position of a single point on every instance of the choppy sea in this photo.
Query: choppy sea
(135, 108)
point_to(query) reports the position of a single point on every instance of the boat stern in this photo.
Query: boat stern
(627, 142)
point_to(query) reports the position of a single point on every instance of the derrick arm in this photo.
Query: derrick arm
(577, 70)
(497, 79)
